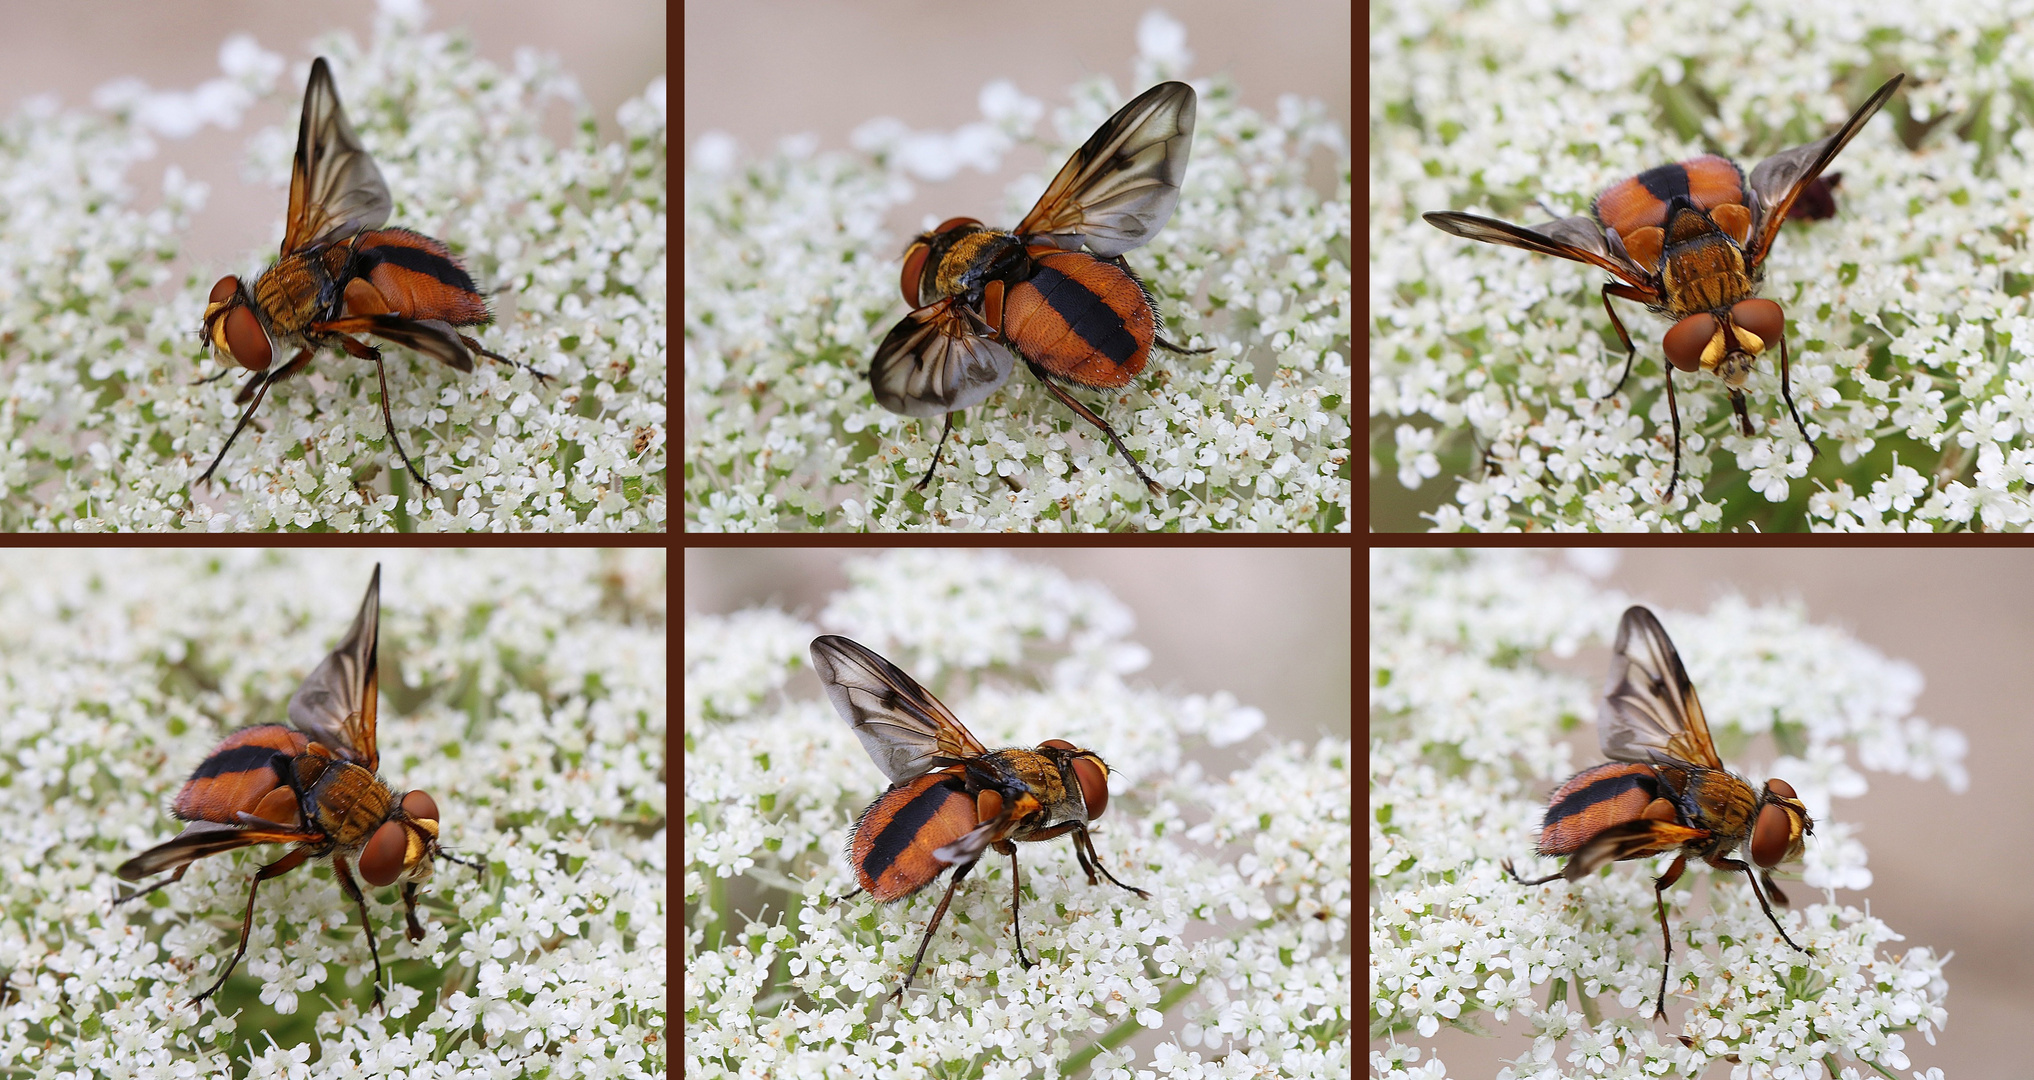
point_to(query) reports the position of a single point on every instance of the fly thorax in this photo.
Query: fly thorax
(292, 295)
(351, 802)
(974, 260)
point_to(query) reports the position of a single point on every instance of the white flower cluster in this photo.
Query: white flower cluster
(106, 428)
(525, 691)
(1240, 953)
(1908, 312)
(791, 281)
(1465, 727)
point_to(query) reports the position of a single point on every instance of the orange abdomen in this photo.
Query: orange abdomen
(892, 845)
(238, 774)
(400, 272)
(1594, 800)
(1082, 319)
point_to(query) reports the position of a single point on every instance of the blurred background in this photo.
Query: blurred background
(1966, 620)
(1270, 627)
(764, 71)
(70, 48)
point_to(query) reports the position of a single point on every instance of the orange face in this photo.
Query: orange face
(951, 799)
(312, 785)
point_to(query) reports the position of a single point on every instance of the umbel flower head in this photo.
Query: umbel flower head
(792, 281)
(106, 425)
(524, 689)
(1465, 742)
(1492, 370)
(1238, 953)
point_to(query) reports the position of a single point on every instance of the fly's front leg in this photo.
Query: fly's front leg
(1751, 876)
(352, 889)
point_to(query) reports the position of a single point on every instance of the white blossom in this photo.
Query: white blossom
(1238, 956)
(106, 425)
(1466, 740)
(1907, 312)
(791, 282)
(524, 690)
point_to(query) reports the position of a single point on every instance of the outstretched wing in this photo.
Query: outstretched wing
(1780, 179)
(1578, 238)
(335, 188)
(904, 728)
(336, 704)
(1650, 713)
(1122, 185)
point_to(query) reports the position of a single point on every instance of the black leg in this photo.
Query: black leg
(1672, 875)
(350, 888)
(938, 450)
(1016, 903)
(937, 915)
(1630, 350)
(1674, 410)
(500, 359)
(1091, 861)
(1089, 415)
(388, 420)
(170, 880)
(1734, 864)
(275, 869)
(1787, 393)
(1535, 881)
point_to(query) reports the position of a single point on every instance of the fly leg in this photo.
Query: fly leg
(941, 449)
(1611, 289)
(1089, 415)
(1660, 887)
(937, 915)
(1734, 864)
(348, 886)
(275, 869)
(369, 352)
(256, 388)
(500, 359)
(170, 880)
(1787, 393)
(1673, 409)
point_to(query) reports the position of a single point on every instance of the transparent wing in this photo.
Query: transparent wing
(1122, 185)
(1649, 712)
(936, 361)
(904, 728)
(1780, 179)
(335, 188)
(1578, 238)
(336, 704)
(203, 838)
